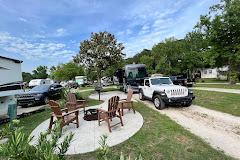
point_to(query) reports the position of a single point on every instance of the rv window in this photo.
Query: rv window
(136, 73)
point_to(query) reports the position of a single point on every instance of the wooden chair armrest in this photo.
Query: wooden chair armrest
(126, 102)
(99, 109)
(52, 114)
(71, 112)
(122, 99)
(81, 101)
(71, 103)
(64, 109)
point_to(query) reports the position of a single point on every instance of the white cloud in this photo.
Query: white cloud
(128, 31)
(38, 36)
(22, 19)
(120, 33)
(143, 32)
(61, 32)
(145, 27)
(32, 50)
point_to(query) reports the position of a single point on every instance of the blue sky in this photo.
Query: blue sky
(48, 32)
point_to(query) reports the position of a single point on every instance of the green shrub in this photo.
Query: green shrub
(83, 95)
(46, 148)
(234, 76)
(64, 93)
(6, 130)
(104, 152)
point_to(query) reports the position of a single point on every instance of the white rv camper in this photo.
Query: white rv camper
(10, 82)
(81, 80)
(36, 82)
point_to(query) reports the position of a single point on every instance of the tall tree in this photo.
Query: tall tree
(101, 51)
(137, 58)
(52, 71)
(40, 72)
(223, 31)
(149, 62)
(194, 47)
(27, 76)
(68, 71)
(166, 55)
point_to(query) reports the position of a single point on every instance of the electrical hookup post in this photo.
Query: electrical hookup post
(98, 89)
(12, 112)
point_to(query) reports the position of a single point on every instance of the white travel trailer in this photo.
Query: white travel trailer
(81, 80)
(36, 82)
(10, 82)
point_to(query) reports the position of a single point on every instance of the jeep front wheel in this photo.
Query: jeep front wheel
(158, 102)
(187, 104)
(141, 95)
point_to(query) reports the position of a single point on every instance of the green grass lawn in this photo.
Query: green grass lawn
(85, 88)
(211, 80)
(219, 101)
(91, 87)
(227, 86)
(161, 138)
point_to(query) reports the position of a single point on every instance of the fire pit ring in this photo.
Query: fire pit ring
(90, 115)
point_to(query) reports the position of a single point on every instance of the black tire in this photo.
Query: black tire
(141, 95)
(158, 102)
(187, 104)
(45, 100)
(190, 85)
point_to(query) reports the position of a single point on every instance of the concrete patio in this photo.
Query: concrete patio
(88, 134)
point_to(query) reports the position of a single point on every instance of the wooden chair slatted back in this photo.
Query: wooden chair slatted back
(129, 95)
(55, 107)
(112, 106)
(71, 98)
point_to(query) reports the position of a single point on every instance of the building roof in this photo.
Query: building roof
(15, 60)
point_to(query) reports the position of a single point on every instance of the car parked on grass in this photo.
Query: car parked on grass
(40, 94)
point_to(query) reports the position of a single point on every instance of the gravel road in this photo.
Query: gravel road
(220, 130)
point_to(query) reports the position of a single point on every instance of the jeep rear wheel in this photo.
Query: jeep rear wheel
(141, 95)
(158, 102)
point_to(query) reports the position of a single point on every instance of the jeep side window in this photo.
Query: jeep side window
(147, 83)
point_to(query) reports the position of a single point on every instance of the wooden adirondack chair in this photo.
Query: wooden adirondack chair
(127, 103)
(111, 113)
(73, 103)
(66, 118)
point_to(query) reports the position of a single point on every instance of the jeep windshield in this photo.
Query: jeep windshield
(41, 88)
(159, 81)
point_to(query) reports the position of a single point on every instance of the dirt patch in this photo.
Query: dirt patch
(219, 129)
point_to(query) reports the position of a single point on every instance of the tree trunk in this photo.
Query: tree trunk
(99, 77)
(230, 70)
